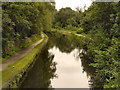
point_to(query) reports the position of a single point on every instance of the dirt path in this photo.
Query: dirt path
(19, 55)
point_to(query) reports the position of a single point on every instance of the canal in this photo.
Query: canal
(62, 63)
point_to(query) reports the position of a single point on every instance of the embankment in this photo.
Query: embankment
(11, 77)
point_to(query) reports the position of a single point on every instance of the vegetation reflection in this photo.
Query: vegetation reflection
(43, 70)
(66, 44)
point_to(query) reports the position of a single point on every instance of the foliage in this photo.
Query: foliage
(67, 18)
(22, 65)
(102, 23)
(21, 20)
(97, 15)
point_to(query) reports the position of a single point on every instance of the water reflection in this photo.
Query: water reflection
(72, 67)
(43, 70)
(67, 44)
(69, 71)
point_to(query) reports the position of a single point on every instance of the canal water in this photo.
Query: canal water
(62, 63)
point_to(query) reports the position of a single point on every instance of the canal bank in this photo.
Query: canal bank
(11, 76)
(61, 64)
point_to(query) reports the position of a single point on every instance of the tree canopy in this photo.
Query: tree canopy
(22, 20)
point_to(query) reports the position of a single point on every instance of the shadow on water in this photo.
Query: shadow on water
(44, 68)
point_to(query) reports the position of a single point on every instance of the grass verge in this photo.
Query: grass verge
(34, 38)
(9, 73)
(69, 32)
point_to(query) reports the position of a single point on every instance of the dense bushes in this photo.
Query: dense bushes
(21, 20)
(67, 18)
(102, 23)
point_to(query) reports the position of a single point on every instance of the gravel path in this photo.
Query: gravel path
(19, 55)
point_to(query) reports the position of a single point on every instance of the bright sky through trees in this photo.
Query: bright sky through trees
(72, 3)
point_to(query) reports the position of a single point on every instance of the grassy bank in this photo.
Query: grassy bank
(21, 65)
(70, 32)
(26, 43)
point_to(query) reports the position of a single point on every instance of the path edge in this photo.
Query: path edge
(14, 79)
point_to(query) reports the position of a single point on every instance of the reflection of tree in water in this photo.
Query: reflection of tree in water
(65, 43)
(44, 69)
(86, 61)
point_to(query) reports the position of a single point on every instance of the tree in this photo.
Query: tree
(22, 20)
(67, 16)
